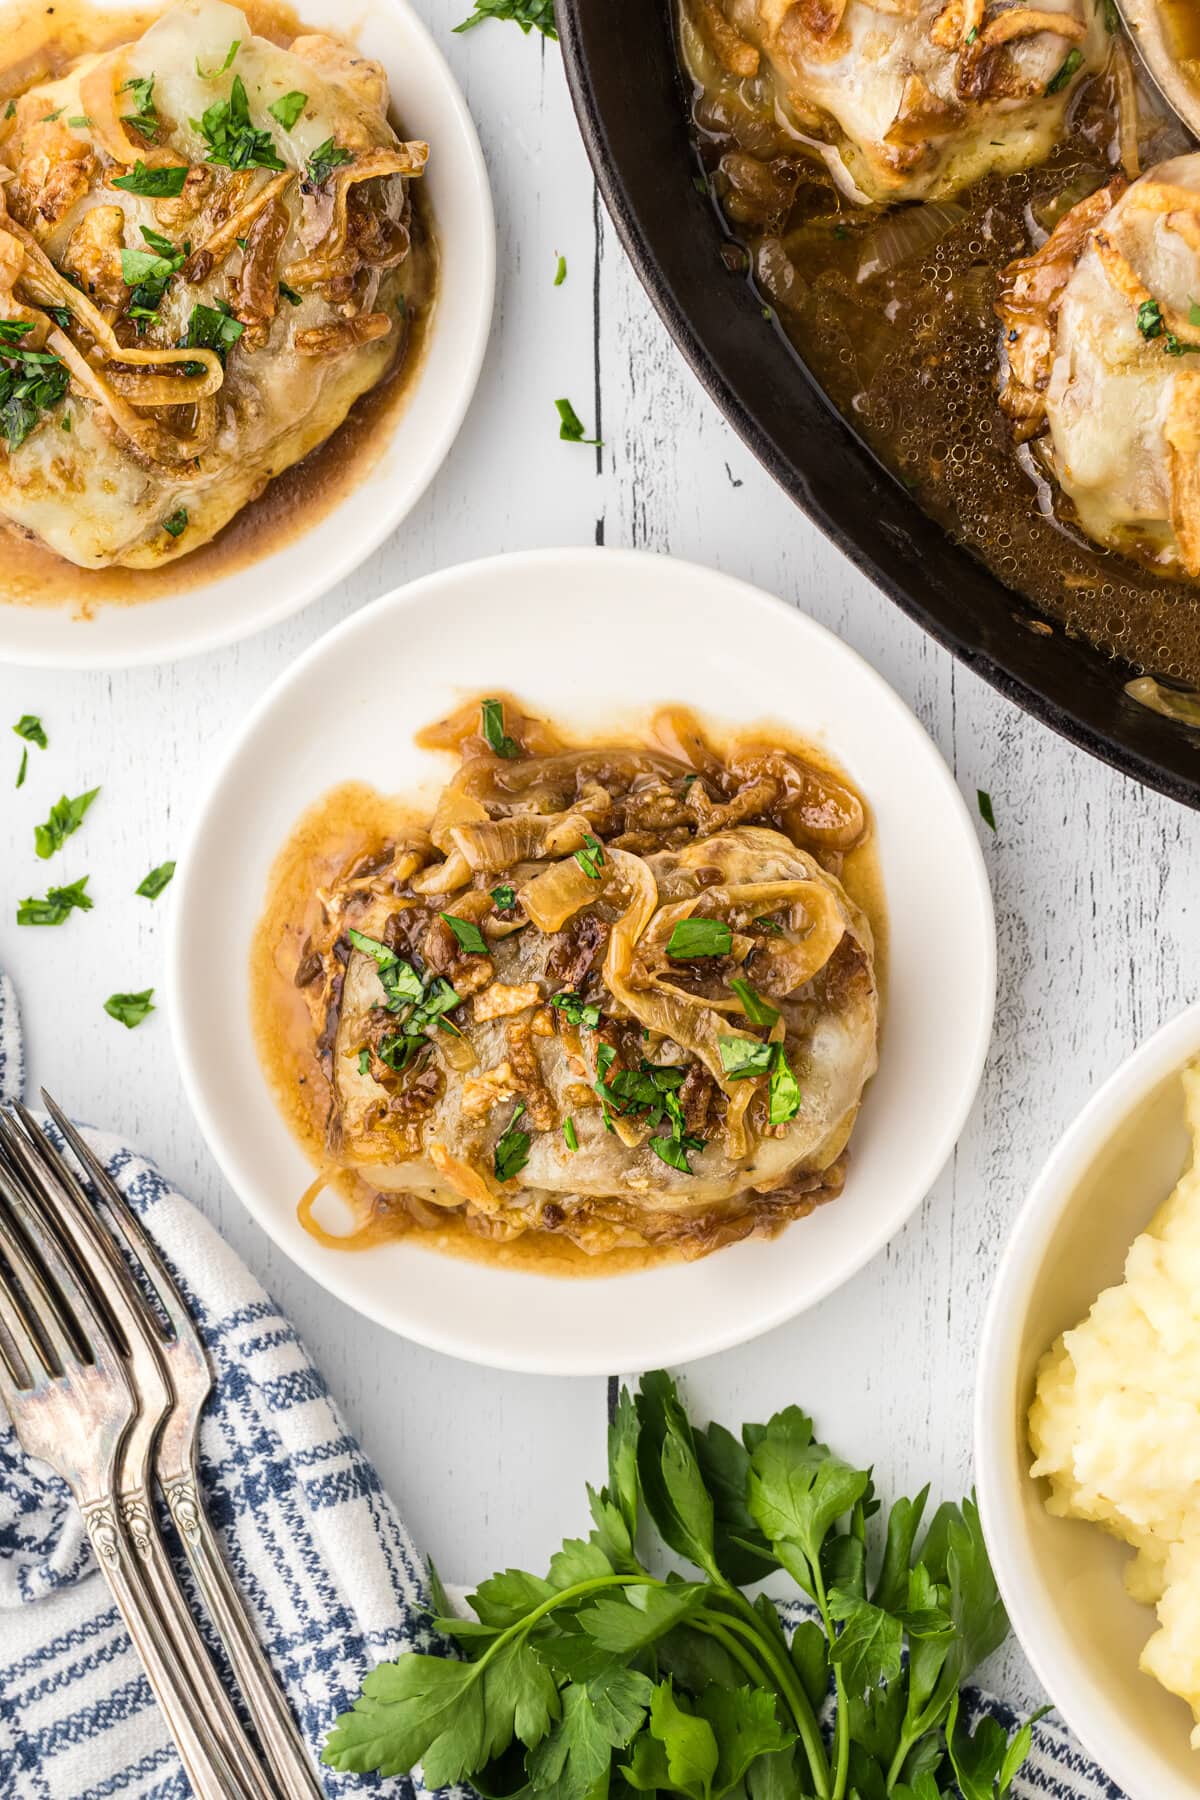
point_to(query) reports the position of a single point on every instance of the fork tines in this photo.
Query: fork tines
(87, 1290)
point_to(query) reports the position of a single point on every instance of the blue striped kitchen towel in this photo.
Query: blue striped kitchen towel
(330, 1573)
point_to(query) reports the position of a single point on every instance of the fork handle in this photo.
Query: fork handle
(278, 1731)
(204, 1763)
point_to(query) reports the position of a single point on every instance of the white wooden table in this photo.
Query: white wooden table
(1093, 879)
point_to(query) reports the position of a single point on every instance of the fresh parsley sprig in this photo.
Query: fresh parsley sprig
(601, 1677)
(530, 15)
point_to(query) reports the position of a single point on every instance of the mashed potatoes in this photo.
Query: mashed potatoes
(1115, 1426)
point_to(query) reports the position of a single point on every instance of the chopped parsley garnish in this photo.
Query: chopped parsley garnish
(743, 1058)
(512, 1149)
(699, 937)
(66, 816)
(756, 1009)
(590, 856)
(324, 160)
(130, 1009)
(10, 111)
(650, 1092)
(64, 424)
(469, 936)
(290, 295)
(986, 813)
(528, 14)
(49, 118)
(154, 184)
(1112, 17)
(233, 142)
(59, 904)
(154, 883)
(972, 34)
(491, 726)
(766, 923)
(30, 727)
(1150, 320)
(288, 107)
(570, 1135)
(177, 523)
(212, 74)
(574, 1008)
(147, 272)
(783, 1090)
(570, 425)
(560, 273)
(31, 383)
(505, 898)
(212, 328)
(364, 1062)
(1072, 61)
(145, 117)
(420, 1006)
(80, 122)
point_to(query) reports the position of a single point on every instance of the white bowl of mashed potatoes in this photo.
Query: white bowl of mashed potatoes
(1088, 1421)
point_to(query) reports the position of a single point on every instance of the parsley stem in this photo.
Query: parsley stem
(788, 1684)
(841, 1729)
(525, 1625)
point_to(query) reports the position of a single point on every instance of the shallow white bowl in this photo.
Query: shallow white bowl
(1062, 1579)
(589, 636)
(427, 101)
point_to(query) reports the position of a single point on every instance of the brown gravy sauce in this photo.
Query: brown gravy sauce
(347, 823)
(891, 310)
(41, 41)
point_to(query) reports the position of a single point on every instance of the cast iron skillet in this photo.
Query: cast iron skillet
(633, 112)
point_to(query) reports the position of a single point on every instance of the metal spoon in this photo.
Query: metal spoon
(1166, 34)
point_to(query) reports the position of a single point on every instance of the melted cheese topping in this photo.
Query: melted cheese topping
(98, 492)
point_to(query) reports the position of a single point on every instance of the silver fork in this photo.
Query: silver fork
(43, 1197)
(183, 1353)
(64, 1384)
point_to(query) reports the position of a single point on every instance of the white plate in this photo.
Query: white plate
(1062, 1579)
(589, 636)
(427, 101)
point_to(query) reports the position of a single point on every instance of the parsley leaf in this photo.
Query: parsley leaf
(23, 767)
(212, 74)
(699, 937)
(756, 1009)
(130, 1009)
(31, 383)
(528, 14)
(783, 1091)
(152, 885)
(505, 898)
(324, 160)
(986, 813)
(30, 727)
(560, 273)
(233, 142)
(213, 328)
(288, 107)
(570, 426)
(145, 118)
(590, 856)
(58, 905)
(512, 1149)
(1150, 320)
(575, 1009)
(176, 523)
(154, 184)
(468, 934)
(491, 726)
(744, 1058)
(66, 816)
(570, 1135)
(1066, 69)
